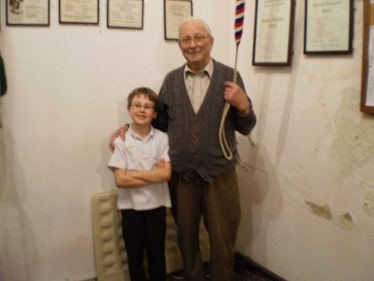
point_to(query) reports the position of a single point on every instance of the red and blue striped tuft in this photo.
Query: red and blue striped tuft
(239, 20)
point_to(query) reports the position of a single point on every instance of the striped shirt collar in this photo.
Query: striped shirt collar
(207, 69)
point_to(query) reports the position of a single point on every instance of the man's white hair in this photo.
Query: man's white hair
(194, 19)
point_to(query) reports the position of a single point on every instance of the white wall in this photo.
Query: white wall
(67, 92)
(312, 144)
(67, 89)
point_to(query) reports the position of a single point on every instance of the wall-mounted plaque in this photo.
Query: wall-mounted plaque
(27, 12)
(79, 11)
(328, 27)
(125, 14)
(175, 12)
(273, 36)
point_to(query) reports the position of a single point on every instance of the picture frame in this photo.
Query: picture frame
(79, 12)
(175, 11)
(328, 27)
(367, 81)
(28, 12)
(128, 14)
(273, 33)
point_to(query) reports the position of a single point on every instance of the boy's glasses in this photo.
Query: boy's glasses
(145, 107)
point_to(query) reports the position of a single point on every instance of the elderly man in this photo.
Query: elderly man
(204, 182)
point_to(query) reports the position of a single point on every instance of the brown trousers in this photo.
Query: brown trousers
(218, 203)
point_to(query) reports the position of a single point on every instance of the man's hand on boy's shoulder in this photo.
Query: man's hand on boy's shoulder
(118, 133)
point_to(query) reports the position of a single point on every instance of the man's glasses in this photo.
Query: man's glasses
(198, 39)
(145, 107)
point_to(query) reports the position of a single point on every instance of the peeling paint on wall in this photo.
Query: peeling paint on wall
(353, 146)
(368, 205)
(344, 221)
(320, 211)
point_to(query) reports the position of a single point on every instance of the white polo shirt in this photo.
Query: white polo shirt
(136, 153)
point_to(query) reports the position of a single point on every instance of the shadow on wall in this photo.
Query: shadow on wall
(261, 202)
(19, 257)
(106, 176)
(261, 198)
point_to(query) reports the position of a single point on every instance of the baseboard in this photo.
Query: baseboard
(244, 263)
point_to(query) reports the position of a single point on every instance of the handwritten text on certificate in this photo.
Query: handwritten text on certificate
(272, 30)
(326, 21)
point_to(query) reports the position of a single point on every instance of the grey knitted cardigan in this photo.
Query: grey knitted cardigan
(193, 138)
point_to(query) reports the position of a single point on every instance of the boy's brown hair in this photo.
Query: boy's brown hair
(147, 92)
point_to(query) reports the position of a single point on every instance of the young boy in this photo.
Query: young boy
(141, 167)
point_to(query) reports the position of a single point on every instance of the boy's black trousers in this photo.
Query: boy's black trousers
(144, 233)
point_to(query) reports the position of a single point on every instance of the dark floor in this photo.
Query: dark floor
(245, 270)
(243, 274)
(251, 276)
(246, 276)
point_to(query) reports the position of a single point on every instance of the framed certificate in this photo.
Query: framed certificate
(27, 12)
(175, 11)
(79, 11)
(125, 14)
(367, 81)
(328, 27)
(273, 35)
